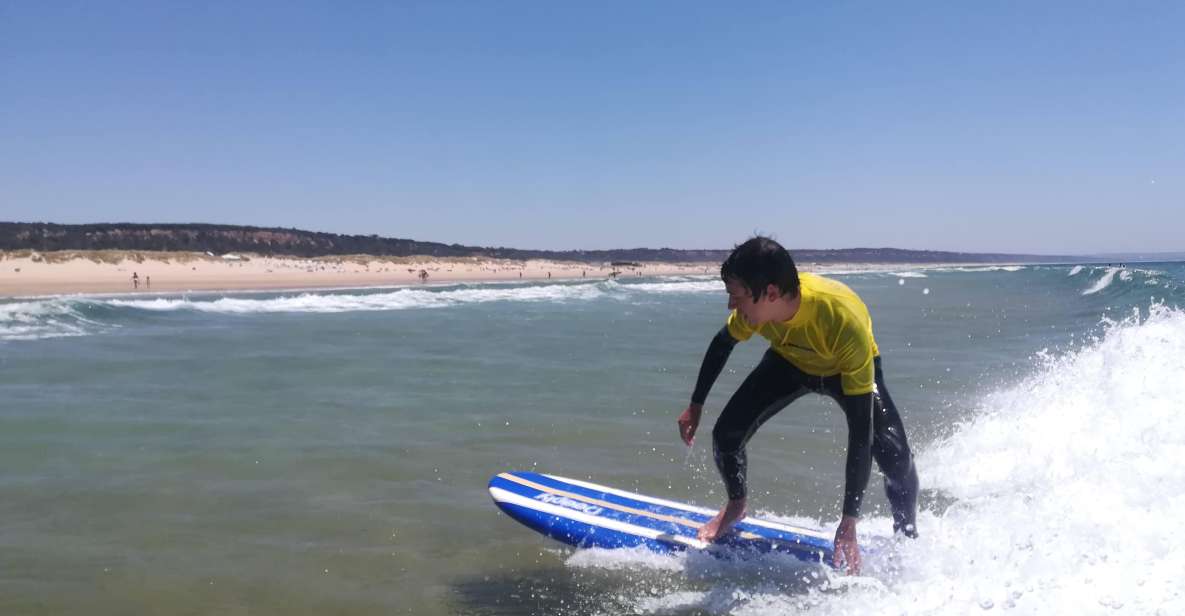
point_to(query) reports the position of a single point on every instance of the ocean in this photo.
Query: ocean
(328, 452)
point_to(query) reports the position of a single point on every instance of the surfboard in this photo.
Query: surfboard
(587, 515)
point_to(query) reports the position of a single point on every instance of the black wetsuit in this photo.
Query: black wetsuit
(874, 427)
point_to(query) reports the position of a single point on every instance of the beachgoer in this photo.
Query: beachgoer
(821, 341)
(423, 275)
(135, 280)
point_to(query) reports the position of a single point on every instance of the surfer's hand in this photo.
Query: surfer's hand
(689, 421)
(847, 551)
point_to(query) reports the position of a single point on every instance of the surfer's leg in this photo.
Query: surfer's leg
(891, 451)
(889, 448)
(772, 385)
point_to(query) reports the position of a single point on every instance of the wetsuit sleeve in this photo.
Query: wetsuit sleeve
(714, 360)
(854, 354)
(858, 411)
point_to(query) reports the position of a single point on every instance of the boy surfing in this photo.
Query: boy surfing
(820, 336)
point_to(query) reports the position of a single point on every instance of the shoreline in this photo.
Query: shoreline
(31, 274)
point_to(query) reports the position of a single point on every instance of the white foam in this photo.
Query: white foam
(401, 299)
(409, 298)
(1074, 271)
(636, 558)
(1067, 494)
(909, 275)
(60, 316)
(1070, 483)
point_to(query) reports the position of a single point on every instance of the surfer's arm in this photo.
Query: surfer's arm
(714, 360)
(858, 411)
(853, 349)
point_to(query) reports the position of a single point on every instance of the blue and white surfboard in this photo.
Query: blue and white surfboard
(585, 515)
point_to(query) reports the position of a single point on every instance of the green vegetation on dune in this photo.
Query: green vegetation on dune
(222, 239)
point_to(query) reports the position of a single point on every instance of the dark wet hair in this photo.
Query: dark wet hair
(760, 262)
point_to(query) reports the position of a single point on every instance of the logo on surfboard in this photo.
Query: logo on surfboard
(569, 503)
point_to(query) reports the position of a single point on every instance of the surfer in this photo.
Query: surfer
(821, 342)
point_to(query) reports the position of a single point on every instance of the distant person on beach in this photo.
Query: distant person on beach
(821, 342)
(135, 280)
(423, 275)
(148, 282)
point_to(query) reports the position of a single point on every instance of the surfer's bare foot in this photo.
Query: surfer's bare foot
(722, 522)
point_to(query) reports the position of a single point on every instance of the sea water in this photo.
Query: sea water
(327, 452)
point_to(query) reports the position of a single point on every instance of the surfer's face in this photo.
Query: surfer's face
(740, 298)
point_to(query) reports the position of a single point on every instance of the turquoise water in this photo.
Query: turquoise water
(327, 452)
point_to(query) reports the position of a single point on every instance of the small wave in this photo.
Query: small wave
(909, 275)
(984, 268)
(1102, 283)
(663, 288)
(1111, 277)
(1075, 270)
(68, 316)
(690, 278)
(36, 320)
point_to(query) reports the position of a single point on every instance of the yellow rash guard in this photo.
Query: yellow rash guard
(830, 334)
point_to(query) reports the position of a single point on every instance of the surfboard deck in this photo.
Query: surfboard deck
(587, 515)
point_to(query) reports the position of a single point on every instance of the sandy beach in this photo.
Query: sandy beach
(32, 274)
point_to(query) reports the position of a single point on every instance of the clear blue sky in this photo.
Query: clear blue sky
(1041, 127)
